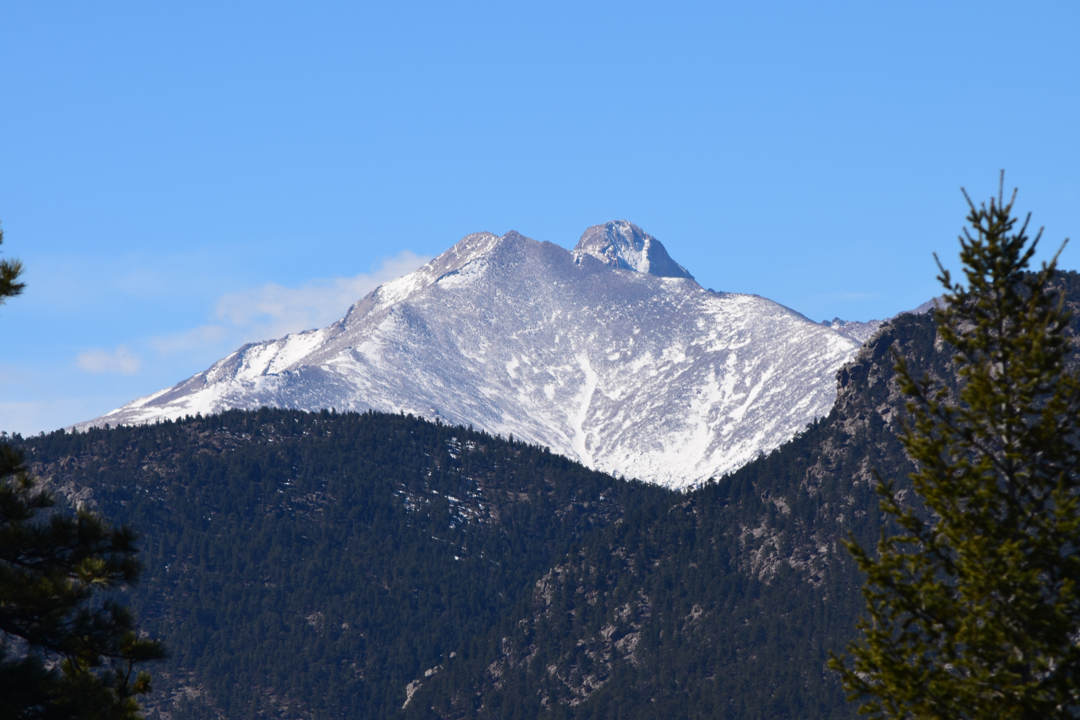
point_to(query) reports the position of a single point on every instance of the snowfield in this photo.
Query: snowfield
(610, 354)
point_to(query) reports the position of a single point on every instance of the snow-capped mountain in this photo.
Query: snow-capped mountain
(610, 354)
(858, 331)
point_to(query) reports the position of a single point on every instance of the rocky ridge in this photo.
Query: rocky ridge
(610, 354)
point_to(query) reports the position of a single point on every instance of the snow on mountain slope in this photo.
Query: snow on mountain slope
(624, 245)
(610, 354)
(857, 331)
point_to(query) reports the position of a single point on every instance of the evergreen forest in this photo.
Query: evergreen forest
(324, 565)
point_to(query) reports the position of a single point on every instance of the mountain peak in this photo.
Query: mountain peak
(469, 248)
(623, 244)
(634, 373)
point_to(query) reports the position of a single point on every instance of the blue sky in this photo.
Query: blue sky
(180, 178)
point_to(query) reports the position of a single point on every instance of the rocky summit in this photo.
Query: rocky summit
(610, 354)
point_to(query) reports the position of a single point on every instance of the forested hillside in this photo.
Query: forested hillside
(314, 564)
(322, 565)
(724, 604)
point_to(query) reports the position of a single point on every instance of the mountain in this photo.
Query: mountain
(857, 331)
(310, 565)
(728, 599)
(610, 354)
(624, 245)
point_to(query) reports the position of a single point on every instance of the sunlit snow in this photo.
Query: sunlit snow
(587, 352)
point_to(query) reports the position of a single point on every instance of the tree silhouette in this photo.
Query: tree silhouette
(973, 604)
(67, 648)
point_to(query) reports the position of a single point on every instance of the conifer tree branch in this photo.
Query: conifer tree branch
(976, 613)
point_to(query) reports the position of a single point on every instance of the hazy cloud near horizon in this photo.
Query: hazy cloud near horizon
(120, 361)
(265, 312)
(273, 311)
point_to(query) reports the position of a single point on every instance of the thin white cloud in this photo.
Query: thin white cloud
(273, 311)
(120, 361)
(280, 310)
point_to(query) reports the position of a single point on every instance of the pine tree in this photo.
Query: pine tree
(67, 649)
(9, 276)
(973, 604)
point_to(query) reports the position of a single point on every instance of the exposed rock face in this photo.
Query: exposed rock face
(624, 245)
(610, 354)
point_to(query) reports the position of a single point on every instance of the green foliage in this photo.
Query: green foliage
(712, 603)
(709, 603)
(974, 613)
(719, 602)
(317, 564)
(9, 276)
(67, 650)
(320, 562)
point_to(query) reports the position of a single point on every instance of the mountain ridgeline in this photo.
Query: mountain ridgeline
(727, 602)
(610, 354)
(318, 565)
